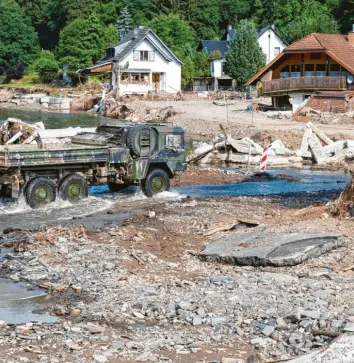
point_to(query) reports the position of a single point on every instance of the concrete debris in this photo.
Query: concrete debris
(268, 248)
(316, 147)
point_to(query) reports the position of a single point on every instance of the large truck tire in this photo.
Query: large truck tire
(73, 188)
(142, 141)
(156, 181)
(115, 187)
(39, 192)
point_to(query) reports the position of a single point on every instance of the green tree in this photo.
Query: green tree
(82, 43)
(345, 15)
(206, 19)
(46, 66)
(309, 17)
(75, 9)
(18, 39)
(232, 11)
(188, 69)
(125, 23)
(35, 9)
(142, 11)
(244, 58)
(175, 32)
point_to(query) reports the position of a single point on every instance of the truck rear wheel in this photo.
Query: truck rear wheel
(115, 187)
(40, 191)
(73, 188)
(157, 181)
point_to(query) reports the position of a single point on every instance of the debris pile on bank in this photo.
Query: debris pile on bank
(15, 131)
(134, 112)
(316, 147)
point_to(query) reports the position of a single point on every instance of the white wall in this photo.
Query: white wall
(268, 41)
(171, 81)
(296, 100)
(217, 64)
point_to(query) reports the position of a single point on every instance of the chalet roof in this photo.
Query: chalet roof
(336, 46)
(214, 45)
(132, 39)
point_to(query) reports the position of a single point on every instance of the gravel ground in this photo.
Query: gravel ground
(138, 292)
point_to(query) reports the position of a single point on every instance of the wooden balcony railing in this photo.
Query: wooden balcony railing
(282, 85)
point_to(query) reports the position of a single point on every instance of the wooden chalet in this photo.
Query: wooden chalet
(316, 64)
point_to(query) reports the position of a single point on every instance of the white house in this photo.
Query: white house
(268, 39)
(140, 63)
(270, 42)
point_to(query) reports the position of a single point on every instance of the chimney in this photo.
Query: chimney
(351, 37)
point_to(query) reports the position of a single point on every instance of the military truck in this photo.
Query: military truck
(118, 154)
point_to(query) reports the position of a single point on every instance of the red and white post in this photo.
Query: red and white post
(264, 159)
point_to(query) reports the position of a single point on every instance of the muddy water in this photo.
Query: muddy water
(52, 120)
(19, 304)
(93, 210)
(309, 181)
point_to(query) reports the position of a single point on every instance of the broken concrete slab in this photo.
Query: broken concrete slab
(340, 351)
(270, 248)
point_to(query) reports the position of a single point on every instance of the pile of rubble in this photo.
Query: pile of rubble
(327, 117)
(125, 109)
(14, 131)
(316, 147)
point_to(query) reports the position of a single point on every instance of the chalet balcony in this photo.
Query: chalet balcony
(303, 84)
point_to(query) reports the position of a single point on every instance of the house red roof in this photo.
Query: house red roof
(336, 46)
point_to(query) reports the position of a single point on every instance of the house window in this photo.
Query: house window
(110, 53)
(125, 77)
(309, 70)
(320, 70)
(135, 77)
(223, 68)
(334, 70)
(315, 56)
(295, 71)
(212, 67)
(144, 56)
(276, 51)
(346, 74)
(284, 73)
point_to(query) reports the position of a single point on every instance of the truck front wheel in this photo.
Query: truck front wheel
(73, 188)
(157, 181)
(40, 191)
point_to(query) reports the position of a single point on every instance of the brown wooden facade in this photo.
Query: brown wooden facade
(310, 71)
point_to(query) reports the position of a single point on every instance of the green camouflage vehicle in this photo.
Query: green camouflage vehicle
(117, 154)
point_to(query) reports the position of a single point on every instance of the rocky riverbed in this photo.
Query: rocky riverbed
(137, 290)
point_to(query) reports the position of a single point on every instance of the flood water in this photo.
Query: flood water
(18, 303)
(52, 120)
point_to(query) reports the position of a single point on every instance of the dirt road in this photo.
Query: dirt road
(202, 117)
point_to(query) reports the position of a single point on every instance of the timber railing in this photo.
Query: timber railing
(304, 84)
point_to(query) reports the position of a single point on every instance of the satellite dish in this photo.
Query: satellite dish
(350, 79)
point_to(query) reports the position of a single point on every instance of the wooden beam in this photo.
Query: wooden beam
(103, 69)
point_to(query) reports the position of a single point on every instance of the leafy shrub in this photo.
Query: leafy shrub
(46, 66)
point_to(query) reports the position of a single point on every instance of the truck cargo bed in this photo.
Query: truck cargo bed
(28, 155)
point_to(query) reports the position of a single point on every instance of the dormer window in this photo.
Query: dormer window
(110, 53)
